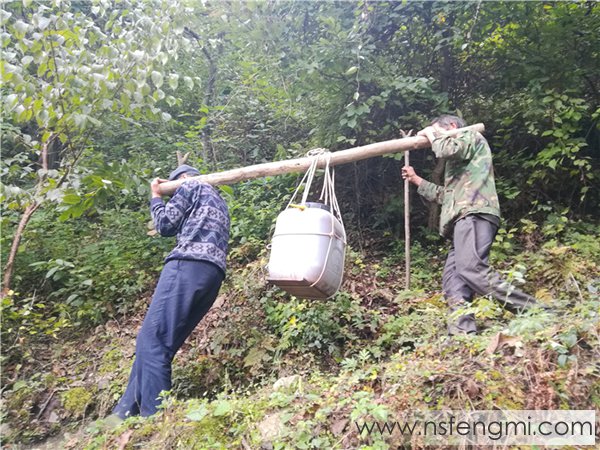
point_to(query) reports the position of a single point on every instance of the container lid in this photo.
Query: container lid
(318, 205)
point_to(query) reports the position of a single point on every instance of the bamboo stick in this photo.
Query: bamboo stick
(302, 164)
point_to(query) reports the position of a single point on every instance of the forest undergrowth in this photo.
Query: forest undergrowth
(267, 370)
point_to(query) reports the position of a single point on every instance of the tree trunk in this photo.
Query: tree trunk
(447, 84)
(9, 268)
(208, 151)
(209, 95)
(25, 218)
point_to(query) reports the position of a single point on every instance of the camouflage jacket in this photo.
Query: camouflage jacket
(469, 186)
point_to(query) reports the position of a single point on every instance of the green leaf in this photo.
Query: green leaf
(25, 116)
(4, 16)
(223, 408)
(570, 340)
(562, 360)
(52, 271)
(157, 78)
(66, 215)
(71, 199)
(226, 189)
(254, 356)
(10, 101)
(173, 81)
(197, 414)
(42, 69)
(42, 117)
(21, 26)
(94, 121)
(43, 22)
(171, 101)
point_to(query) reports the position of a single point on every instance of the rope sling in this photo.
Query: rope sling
(303, 241)
(327, 196)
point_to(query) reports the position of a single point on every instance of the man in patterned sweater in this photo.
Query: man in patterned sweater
(470, 216)
(187, 287)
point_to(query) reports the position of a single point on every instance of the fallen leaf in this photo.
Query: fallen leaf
(124, 439)
(471, 388)
(501, 340)
(543, 295)
(339, 426)
(271, 427)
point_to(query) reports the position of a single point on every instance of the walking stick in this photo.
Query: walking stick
(406, 216)
(407, 224)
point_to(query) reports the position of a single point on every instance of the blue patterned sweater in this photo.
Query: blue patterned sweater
(199, 217)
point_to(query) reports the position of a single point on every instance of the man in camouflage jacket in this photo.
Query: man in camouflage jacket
(470, 216)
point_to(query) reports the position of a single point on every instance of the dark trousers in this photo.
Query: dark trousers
(467, 272)
(185, 292)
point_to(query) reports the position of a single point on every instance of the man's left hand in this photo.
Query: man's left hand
(408, 173)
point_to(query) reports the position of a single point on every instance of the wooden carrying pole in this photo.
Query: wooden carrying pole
(302, 164)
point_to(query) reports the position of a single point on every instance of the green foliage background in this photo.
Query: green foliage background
(108, 92)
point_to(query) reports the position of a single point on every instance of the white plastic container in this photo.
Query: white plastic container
(307, 251)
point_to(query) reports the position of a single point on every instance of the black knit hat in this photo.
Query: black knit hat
(184, 168)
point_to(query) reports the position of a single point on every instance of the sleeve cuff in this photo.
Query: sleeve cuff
(428, 190)
(155, 201)
(424, 187)
(436, 146)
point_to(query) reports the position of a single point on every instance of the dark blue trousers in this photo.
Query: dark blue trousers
(185, 292)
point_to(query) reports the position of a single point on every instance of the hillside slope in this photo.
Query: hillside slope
(265, 370)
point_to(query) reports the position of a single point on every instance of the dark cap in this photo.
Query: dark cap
(184, 168)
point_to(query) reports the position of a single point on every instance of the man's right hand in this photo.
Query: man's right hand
(408, 173)
(155, 187)
(429, 132)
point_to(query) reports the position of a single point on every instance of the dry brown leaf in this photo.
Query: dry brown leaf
(339, 426)
(124, 439)
(501, 340)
